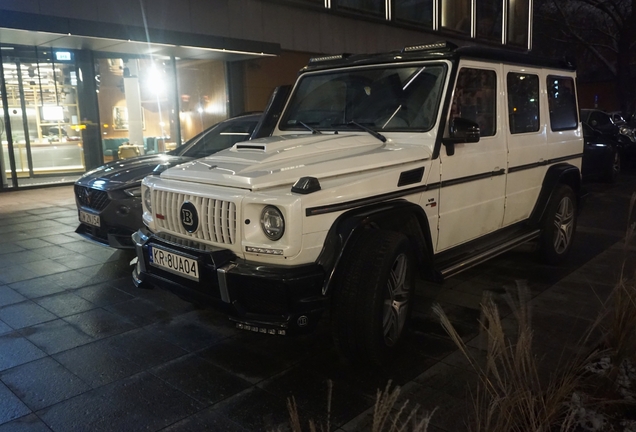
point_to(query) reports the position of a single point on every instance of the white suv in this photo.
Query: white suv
(382, 168)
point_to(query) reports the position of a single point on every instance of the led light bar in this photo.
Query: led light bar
(328, 58)
(263, 330)
(265, 251)
(430, 47)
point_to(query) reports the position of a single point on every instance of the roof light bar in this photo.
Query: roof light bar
(430, 47)
(328, 58)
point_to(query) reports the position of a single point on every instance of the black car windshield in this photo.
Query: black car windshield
(397, 98)
(219, 137)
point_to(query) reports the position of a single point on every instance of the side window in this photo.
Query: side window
(562, 103)
(476, 98)
(523, 102)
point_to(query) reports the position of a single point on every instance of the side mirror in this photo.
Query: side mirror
(461, 130)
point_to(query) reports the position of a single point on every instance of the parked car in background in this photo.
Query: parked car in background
(108, 198)
(605, 125)
(601, 155)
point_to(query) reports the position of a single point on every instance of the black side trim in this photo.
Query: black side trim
(546, 162)
(250, 147)
(315, 211)
(467, 179)
(411, 176)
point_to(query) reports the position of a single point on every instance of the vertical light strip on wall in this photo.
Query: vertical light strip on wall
(328, 4)
(473, 19)
(435, 15)
(530, 12)
(504, 24)
(387, 9)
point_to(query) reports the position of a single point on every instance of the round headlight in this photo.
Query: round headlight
(272, 223)
(147, 201)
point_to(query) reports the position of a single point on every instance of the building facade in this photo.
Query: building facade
(83, 83)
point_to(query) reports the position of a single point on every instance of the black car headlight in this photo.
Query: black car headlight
(272, 223)
(147, 200)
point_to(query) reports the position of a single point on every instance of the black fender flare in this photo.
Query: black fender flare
(562, 173)
(396, 215)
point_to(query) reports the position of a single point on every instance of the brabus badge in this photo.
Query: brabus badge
(189, 217)
(302, 321)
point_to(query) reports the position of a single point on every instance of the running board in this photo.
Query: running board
(481, 256)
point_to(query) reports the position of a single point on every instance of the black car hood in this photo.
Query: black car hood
(127, 172)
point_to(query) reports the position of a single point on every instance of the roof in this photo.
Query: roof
(436, 51)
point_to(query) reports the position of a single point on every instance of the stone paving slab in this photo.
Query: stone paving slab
(82, 349)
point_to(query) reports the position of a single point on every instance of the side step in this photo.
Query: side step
(455, 264)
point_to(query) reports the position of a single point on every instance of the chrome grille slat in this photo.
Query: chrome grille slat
(217, 218)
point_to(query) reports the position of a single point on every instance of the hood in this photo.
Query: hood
(281, 160)
(126, 172)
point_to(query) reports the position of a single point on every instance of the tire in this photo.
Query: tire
(372, 298)
(559, 225)
(613, 169)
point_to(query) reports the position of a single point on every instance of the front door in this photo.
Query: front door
(472, 194)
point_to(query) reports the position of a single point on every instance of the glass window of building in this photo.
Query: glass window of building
(523, 102)
(373, 7)
(44, 117)
(562, 103)
(489, 19)
(137, 107)
(418, 12)
(202, 95)
(475, 99)
(518, 19)
(456, 15)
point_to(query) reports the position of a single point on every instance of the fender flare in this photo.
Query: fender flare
(562, 173)
(397, 215)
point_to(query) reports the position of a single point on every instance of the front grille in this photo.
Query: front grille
(92, 198)
(217, 218)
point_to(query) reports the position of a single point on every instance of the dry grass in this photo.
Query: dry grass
(510, 395)
(385, 416)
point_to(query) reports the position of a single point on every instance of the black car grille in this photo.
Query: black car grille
(92, 198)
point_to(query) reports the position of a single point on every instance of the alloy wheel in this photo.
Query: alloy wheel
(396, 302)
(564, 223)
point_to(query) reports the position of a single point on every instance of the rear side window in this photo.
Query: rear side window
(523, 102)
(562, 103)
(476, 98)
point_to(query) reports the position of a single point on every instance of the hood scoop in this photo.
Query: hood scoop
(253, 147)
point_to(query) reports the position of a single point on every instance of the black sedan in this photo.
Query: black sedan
(108, 198)
(601, 155)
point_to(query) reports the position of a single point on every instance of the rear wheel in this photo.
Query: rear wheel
(559, 225)
(372, 299)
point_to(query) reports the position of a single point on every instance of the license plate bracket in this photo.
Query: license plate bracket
(90, 218)
(173, 262)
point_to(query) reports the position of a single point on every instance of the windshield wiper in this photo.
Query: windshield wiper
(378, 135)
(313, 130)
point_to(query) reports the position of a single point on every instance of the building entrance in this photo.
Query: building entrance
(40, 125)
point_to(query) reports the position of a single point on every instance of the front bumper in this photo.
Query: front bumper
(266, 299)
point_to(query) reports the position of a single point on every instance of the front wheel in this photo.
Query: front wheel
(372, 299)
(559, 225)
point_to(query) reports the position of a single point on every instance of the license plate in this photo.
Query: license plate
(175, 263)
(89, 218)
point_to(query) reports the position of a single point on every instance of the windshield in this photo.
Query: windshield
(219, 137)
(401, 98)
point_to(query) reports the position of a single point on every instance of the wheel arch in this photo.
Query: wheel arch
(397, 215)
(562, 173)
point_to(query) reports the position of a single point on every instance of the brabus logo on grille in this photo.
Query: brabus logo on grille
(189, 217)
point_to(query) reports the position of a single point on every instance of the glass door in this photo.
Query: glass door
(44, 117)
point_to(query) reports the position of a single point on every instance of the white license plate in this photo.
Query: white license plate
(174, 263)
(89, 218)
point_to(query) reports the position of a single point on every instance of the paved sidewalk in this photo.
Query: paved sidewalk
(81, 349)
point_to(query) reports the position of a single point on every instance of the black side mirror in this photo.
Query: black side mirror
(461, 130)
